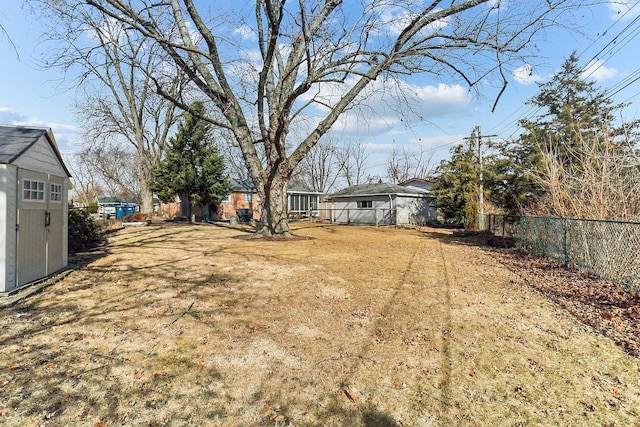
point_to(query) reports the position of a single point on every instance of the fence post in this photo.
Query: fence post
(375, 212)
(565, 244)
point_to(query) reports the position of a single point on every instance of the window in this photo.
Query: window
(33, 190)
(55, 194)
(248, 197)
(227, 199)
(313, 202)
(365, 203)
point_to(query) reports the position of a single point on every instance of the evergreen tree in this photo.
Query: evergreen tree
(575, 117)
(192, 167)
(572, 110)
(457, 185)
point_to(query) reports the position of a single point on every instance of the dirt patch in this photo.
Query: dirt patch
(137, 217)
(352, 327)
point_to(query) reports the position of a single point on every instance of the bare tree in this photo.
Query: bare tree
(233, 160)
(604, 185)
(112, 168)
(352, 158)
(4, 33)
(119, 73)
(320, 59)
(320, 169)
(406, 164)
(85, 185)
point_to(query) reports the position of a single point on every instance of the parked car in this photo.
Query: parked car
(107, 211)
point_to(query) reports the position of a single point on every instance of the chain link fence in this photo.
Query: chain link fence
(607, 249)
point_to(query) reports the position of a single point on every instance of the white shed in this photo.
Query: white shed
(33, 206)
(382, 203)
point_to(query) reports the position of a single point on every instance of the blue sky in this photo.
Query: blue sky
(30, 95)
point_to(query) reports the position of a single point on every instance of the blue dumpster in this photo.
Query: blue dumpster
(120, 212)
(129, 209)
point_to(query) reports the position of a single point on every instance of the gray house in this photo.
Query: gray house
(33, 206)
(383, 203)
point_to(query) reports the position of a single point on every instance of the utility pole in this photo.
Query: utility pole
(478, 132)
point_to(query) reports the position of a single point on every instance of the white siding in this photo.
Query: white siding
(7, 227)
(41, 157)
(347, 211)
(56, 237)
(65, 223)
(416, 207)
(403, 209)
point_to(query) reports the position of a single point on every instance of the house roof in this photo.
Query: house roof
(246, 186)
(16, 140)
(103, 200)
(417, 180)
(299, 189)
(378, 189)
(242, 186)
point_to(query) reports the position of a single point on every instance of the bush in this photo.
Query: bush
(83, 231)
(92, 207)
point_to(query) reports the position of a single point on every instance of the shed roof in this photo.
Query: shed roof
(378, 189)
(16, 140)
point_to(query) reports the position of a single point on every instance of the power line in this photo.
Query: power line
(613, 43)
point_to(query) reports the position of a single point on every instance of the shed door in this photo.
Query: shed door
(55, 230)
(32, 231)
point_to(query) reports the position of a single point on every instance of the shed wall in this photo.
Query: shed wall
(8, 216)
(402, 210)
(41, 157)
(347, 211)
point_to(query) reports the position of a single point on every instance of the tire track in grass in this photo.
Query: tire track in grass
(402, 296)
(386, 308)
(361, 358)
(446, 359)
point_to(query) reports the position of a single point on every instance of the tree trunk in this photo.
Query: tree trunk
(274, 208)
(146, 195)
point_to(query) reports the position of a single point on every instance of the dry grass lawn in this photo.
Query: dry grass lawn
(191, 325)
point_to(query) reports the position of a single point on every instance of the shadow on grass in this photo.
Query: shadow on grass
(481, 239)
(50, 372)
(374, 418)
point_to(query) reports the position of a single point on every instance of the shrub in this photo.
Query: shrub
(83, 231)
(92, 207)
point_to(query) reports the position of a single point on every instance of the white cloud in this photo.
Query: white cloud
(66, 135)
(598, 71)
(525, 75)
(354, 123)
(9, 115)
(388, 98)
(414, 144)
(395, 19)
(624, 9)
(443, 100)
(109, 30)
(246, 32)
